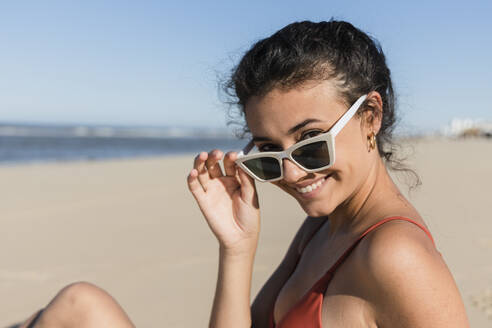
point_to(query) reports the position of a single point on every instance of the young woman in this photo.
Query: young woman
(318, 101)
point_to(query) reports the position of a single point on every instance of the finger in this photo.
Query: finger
(199, 165)
(212, 163)
(194, 185)
(229, 164)
(248, 187)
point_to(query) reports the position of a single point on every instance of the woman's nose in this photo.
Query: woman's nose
(292, 172)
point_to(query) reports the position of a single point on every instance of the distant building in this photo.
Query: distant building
(462, 128)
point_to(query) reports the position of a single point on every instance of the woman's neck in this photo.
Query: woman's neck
(368, 204)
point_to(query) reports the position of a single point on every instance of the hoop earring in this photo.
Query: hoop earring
(371, 139)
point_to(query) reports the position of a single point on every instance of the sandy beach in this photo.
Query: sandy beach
(132, 228)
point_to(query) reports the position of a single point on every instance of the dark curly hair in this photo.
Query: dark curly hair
(308, 51)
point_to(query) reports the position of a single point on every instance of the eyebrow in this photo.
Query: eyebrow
(291, 130)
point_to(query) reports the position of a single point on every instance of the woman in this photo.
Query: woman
(363, 257)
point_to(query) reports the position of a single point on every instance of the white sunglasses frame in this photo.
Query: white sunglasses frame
(249, 153)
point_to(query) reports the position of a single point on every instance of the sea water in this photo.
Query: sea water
(25, 149)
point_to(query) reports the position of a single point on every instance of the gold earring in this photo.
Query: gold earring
(371, 139)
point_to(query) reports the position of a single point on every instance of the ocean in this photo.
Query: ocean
(27, 149)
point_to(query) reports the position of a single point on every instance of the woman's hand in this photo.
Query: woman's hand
(229, 203)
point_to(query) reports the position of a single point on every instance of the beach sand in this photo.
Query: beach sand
(132, 228)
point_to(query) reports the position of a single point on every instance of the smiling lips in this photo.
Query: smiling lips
(310, 187)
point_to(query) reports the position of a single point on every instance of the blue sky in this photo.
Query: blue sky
(156, 62)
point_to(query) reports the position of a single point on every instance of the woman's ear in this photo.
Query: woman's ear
(372, 116)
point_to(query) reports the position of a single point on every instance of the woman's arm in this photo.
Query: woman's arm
(229, 204)
(232, 293)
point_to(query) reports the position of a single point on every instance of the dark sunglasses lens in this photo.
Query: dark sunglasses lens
(265, 168)
(312, 156)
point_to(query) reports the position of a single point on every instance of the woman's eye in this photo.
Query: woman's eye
(310, 134)
(269, 147)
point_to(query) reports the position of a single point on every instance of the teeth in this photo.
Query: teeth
(310, 187)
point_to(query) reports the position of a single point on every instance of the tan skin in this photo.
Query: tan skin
(405, 285)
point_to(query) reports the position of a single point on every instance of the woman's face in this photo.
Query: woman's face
(282, 118)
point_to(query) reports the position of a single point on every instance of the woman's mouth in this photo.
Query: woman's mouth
(310, 189)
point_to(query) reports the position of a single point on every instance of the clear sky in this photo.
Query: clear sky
(156, 62)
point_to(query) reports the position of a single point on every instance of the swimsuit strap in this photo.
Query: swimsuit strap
(374, 226)
(371, 228)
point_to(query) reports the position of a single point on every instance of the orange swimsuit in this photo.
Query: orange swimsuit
(307, 311)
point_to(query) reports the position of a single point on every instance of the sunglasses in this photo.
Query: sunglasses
(312, 155)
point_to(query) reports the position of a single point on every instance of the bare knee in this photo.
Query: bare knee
(82, 303)
(82, 295)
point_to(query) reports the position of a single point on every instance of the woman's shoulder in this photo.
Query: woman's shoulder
(406, 277)
(402, 234)
(398, 245)
(393, 248)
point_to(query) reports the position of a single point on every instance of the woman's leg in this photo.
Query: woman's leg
(80, 305)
